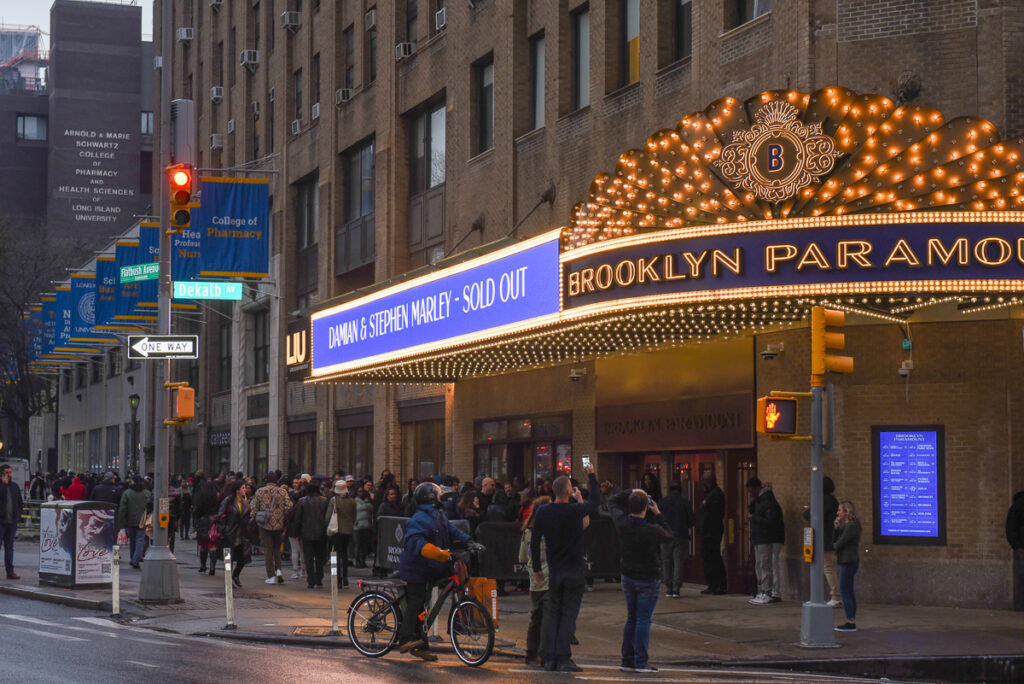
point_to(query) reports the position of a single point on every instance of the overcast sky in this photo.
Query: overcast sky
(37, 13)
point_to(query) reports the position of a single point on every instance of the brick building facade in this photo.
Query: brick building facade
(419, 151)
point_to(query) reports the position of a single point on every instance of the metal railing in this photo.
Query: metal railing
(30, 517)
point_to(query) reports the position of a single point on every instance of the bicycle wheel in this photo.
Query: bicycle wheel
(472, 632)
(373, 624)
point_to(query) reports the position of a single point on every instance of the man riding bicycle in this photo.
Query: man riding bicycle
(424, 560)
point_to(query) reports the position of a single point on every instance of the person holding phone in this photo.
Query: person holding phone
(845, 540)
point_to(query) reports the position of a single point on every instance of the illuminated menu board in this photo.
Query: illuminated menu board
(909, 484)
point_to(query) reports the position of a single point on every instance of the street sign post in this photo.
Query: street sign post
(163, 347)
(207, 290)
(135, 274)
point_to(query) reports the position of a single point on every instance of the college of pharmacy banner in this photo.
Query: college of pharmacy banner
(149, 251)
(185, 252)
(233, 227)
(83, 310)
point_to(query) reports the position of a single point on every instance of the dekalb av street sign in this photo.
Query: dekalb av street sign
(163, 346)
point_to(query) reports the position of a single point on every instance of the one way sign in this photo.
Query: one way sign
(163, 347)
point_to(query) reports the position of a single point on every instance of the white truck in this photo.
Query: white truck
(20, 473)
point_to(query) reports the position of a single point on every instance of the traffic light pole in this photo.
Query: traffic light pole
(816, 621)
(159, 582)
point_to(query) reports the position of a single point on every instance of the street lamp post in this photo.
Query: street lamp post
(133, 403)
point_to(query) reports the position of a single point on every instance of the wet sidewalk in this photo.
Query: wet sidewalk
(892, 640)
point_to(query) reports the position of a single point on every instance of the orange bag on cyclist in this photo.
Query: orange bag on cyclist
(486, 592)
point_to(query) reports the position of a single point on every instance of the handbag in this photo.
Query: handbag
(214, 534)
(263, 517)
(332, 525)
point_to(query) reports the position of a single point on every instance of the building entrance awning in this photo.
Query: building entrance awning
(717, 227)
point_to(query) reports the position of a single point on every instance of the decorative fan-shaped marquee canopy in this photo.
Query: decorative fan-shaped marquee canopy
(861, 154)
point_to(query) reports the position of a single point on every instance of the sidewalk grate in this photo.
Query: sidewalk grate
(313, 631)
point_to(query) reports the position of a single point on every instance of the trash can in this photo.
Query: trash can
(76, 543)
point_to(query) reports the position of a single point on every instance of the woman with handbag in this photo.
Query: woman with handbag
(233, 521)
(341, 518)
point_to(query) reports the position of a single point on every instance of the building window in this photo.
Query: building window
(114, 361)
(65, 379)
(113, 446)
(355, 449)
(95, 450)
(314, 85)
(426, 185)
(437, 6)
(371, 48)
(224, 356)
(297, 87)
(484, 85)
(348, 70)
(746, 10)
(411, 10)
(684, 29)
(302, 453)
(218, 67)
(260, 346)
(307, 205)
(147, 123)
(256, 457)
(581, 57)
(422, 449)
(256, 26)
(95, 369)
(270, 121)
(533, 448)
(81, 372)
(234, 54)
(354, 243)
(537, 80)
(31, 127)
(630, 43)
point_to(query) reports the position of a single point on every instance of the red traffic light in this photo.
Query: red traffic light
(181, 178)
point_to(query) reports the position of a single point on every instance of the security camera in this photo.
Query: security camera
(577, 374)
(772, 350)
(905, 367)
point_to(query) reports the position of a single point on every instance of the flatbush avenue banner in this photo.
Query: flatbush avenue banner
(233, 225)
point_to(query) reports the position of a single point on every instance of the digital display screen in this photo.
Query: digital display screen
(909, 485)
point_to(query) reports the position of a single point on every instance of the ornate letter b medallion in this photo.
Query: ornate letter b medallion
(778, 155)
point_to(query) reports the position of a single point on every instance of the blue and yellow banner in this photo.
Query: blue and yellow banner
(149, 252)
(128, 253)
(83, 311)
(234, 228)
(62, 342)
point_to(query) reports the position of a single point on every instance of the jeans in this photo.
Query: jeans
(136, 542)
(769, 569)
(535, 632)
(846, 573)
(339, 544)
(641, 597)
(714, 566)
(7, 532)
(565, 594)
(673, 559)
(270, 540)
(296, 543)
(314, 552)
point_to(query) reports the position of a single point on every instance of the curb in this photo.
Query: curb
(324, 642)
(73, 601)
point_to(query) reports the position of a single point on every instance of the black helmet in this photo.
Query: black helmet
(427, 493)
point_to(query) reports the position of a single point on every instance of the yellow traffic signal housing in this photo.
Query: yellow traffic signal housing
(822, 341)
(180, 178)
(777, 415)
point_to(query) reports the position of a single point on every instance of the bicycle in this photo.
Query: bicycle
(375, 615)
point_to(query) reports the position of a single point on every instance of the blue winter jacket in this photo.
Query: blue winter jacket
(428, 525)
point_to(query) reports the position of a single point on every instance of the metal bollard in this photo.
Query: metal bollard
(115, 582)
(229, 591)
(434, 593)
(334, 594)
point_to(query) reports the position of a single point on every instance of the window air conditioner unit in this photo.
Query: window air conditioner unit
(343, 95)
(250, 59)
(296, 126)
(256, 109)
(403, 50)
(215, 4)
(216, 94)
(314, 111)
(291, 21)
(231, 125)
(370, 20)
(184, 34)
(440, 19)
(217, 141)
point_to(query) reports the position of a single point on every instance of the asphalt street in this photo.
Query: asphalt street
(45, 642)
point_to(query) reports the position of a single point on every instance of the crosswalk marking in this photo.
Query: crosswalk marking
(136, 662)
(48, 635)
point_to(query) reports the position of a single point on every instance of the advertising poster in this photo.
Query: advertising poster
(94, 546)
(910, 484)
(53, 557)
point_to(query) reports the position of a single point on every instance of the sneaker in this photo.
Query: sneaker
(423, 654)
(296, 575)
(271, 580)
(626, 667)
(759, 600)
(280, 577)
(847, 627)
(647, 668)
(237, 582)
(569, 666)
(775, 599)
(414, 643)
(13, 575)
(835, 603)
(708, 591)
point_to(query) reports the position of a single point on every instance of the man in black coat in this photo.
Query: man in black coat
(767, 533)
(1015, 537)
(678, 512)
(10, 513)
(830, 509)
(107, 491)
(711, 526)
